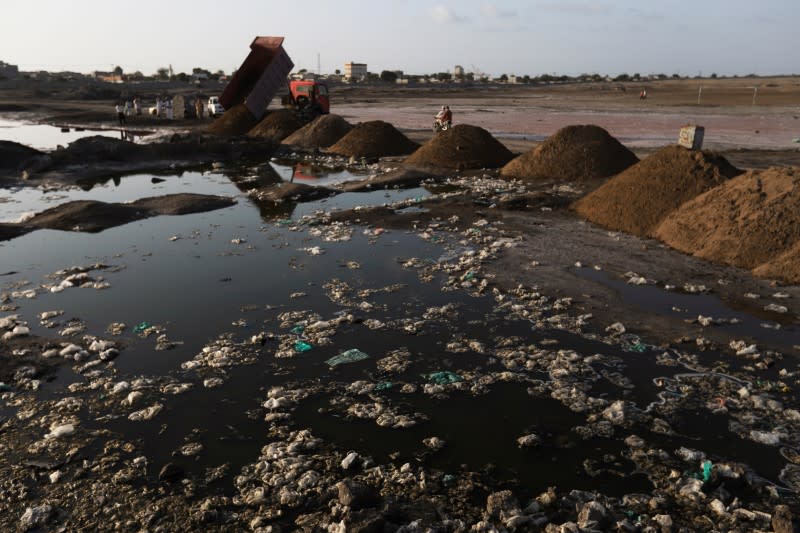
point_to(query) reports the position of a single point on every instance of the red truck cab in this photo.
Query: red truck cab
(310, 92)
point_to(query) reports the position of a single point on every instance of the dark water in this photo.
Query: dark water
(197, 285)
(750, 314)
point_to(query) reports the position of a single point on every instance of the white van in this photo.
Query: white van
(214, 107)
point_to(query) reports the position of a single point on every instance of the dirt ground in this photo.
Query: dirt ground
(519, 115)
(522, 245)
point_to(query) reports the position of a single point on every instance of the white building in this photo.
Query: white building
(355, 71)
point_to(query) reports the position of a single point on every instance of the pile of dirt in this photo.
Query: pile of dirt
(573, 153)
(14, 155)
(93, 216)
(461, 147)
(374, 139)
(785, 267)
(235, 121)
(747, 222)
(638, 199)
(99, 148)
(277, 125)
(322, 132)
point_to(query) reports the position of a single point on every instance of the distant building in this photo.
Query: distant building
(110, 77)
(458, 72)
(8, 71)
(355, 71)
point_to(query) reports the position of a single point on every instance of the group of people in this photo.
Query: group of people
(163, 108)
(126, 109)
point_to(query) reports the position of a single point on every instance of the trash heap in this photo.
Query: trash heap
(235, 121)
(277, 125)
(638, 199)
(749, 222)
(322, 132)
(374, 139)
(462, 147)
(573, 153)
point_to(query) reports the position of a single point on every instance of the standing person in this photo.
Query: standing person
(168, 102)
(128, 107)
(198, 107)
(120, 114)
(136, 107)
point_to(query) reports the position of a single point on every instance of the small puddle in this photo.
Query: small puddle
(47, 137)
(688, 306)
(313, 174)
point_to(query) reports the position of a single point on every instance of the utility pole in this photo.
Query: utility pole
(318, 65)
(699, 94)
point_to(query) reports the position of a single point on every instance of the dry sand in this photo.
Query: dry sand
(277, 125)
(462, 147)
(746, 222)
(638, 199)
(374, 139)
(574, 153)
(322, 132)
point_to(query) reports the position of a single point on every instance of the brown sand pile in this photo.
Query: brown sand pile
(235, 121)
(638, 199)
(374, 139)
(461, 147)
(745, 222)
(573, 153)
(322, 132)
(277, 125)
(784, 267)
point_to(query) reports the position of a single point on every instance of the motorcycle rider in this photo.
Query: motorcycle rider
(443, 118)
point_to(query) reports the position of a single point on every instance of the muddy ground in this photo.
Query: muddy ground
(519, 246)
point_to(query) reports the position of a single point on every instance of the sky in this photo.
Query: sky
(533, 37)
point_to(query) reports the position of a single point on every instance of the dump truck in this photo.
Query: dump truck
(309, 98)
(263, 75)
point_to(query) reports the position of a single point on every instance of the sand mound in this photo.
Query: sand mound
(638, 199)
(322, 132)
(461, 147)
(784, 267)
(235, 121)
(277, 125)
(93, 216)
(573, 153)
(13, 155)
(745, 222)
(374, 139)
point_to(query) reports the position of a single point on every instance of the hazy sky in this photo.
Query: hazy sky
(417, 36)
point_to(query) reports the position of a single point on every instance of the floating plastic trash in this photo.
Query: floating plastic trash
(384, 385)
(142, 326)
(707, 466)
(350, 356)
(444, 377)
(632, 343)
(298, 329)
(302, 346)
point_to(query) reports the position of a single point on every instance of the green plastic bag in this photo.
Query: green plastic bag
(444, 377)
(302, 346)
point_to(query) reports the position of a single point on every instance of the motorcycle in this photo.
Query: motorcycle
(441, 125)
